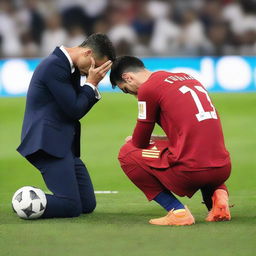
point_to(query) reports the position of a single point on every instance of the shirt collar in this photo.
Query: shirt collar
(69, 58)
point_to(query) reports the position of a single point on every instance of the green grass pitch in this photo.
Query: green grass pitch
(119, 226)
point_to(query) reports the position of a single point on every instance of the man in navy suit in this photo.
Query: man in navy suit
(50, 137)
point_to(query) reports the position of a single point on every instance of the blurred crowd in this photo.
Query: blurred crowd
(32, 28)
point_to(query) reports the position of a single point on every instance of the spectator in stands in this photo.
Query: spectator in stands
(9, 33)
(75, 35)
(53, 35)
(192, 37)
(219, 39)
(166, 33)
(31, 26)
(142, 28)
(122, 35)
(143, 24)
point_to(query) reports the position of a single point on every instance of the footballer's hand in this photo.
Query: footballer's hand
(128, 138)
(95, 75)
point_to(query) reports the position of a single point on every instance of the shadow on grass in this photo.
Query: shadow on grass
(99, 218)
(105, 219)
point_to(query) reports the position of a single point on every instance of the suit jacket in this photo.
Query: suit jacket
(55, 103)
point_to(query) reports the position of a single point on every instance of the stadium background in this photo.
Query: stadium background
(212, 40)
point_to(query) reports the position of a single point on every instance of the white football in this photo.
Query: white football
(29, 202)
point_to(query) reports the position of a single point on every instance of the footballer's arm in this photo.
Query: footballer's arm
(142, 134)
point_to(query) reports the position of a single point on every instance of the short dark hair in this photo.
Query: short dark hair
(124, 64)
(101, 45)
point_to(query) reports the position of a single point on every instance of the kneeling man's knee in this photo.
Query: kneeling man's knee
(73, 208)
(90, 206)
(125, 153)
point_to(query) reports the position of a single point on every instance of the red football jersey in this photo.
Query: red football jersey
(182, 107)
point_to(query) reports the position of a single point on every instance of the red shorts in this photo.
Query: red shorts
(150, 171)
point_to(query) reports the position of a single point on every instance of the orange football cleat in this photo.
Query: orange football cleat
(220, 208)
(180, 217)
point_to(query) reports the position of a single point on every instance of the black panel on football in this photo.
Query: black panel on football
(19, 197)
(33, 195)
(28, 211)
(41, 207)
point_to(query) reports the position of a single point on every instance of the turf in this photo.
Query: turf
(119, 224)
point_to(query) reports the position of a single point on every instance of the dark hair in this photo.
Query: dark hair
(101, 45)
(124, 64)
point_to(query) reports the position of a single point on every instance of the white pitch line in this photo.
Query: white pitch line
(106, 192)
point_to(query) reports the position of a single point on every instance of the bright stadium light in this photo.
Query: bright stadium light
(15, 76)
(233, 73)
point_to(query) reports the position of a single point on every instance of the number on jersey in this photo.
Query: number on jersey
(202, 114)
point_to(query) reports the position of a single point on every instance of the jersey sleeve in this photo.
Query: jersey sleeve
(147, 105)
(147, 116)
(142, 134)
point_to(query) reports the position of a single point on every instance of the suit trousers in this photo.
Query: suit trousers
(69, 181)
